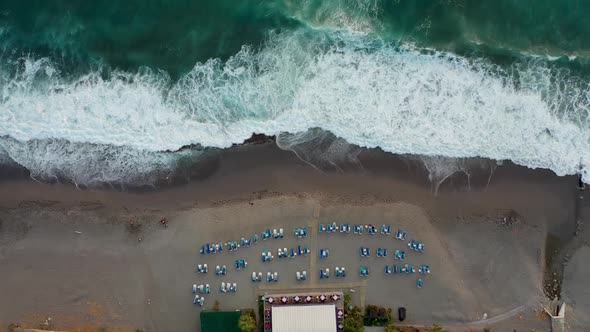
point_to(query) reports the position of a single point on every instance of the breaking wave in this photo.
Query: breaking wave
(106, 125)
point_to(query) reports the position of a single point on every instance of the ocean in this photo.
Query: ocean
(129, 92)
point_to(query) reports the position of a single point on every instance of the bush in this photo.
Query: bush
(347, 300)
(436, 328)
(247, 323)
(390, 328)
(377, 316)
(353, 321)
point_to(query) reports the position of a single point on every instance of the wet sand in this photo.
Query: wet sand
(106, 276)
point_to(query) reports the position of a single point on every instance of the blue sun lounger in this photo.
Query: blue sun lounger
(364, 271)
(419, 283)
(324, 253)
(387, 269)
(395, 269)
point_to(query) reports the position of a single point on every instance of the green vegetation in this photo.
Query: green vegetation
(377, 316)
(391, 328)
(436, 328)
(353, 320)
(247, 322)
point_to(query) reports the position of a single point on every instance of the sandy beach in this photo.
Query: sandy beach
(73, 255)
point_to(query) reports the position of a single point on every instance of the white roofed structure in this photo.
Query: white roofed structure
(304, 318)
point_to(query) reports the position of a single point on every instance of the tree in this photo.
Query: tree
(347, 300)
(391, 328)
(247, 323)
(353, 322)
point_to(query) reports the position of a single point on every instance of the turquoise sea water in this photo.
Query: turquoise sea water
(106, 91)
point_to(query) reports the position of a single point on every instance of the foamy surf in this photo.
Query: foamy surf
(402, 99)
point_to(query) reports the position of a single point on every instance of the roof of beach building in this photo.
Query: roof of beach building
(301, 318)
(214, 321)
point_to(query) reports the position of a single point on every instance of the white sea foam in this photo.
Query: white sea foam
(402, 99)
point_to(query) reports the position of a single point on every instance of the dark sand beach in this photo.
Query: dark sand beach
(73, 255)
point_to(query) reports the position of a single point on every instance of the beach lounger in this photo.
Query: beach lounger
(201, 289)
(269, 276)
(364, 271)
(201, 301)
(202, 250)
(217, 270)
(255, 238)
(355, 229)
(322, 228)
(347, 228)
(234, 287)
(387, 269)
(395, 269)
(196, 299)
(327, 273)
(321, 273)
(388, 230)
(421, 247)
(324, 253)
(205, 268)
(275, 276)
(222, 287)
(342, 228)
(412, 270)
(223, 270)
(194, 288)
(403, 269)
(337, 270)
(254, 276)
(304, 275)
(342, 272)
(293, 253)
(383, 229)
(281, 233)
(384, 252)
(200, 268)
(419, 283)
(298, 275)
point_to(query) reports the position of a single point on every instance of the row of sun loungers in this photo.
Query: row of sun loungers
(228, 287)
(365, 252)
(400, 254)
(272, 276)
(417, 246)
(257, 277)
(277, 234)
(394, 269)
(200, 300)
(381, 252)
(301, 232)
(301, 275)
(325, 273)
(359, 229)
(324, 253)
(202, 268)
(241, 264)
(300, 251)
(220, 270)
(267, 256)
(211, 248)
(364, 271)
(201, 289)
